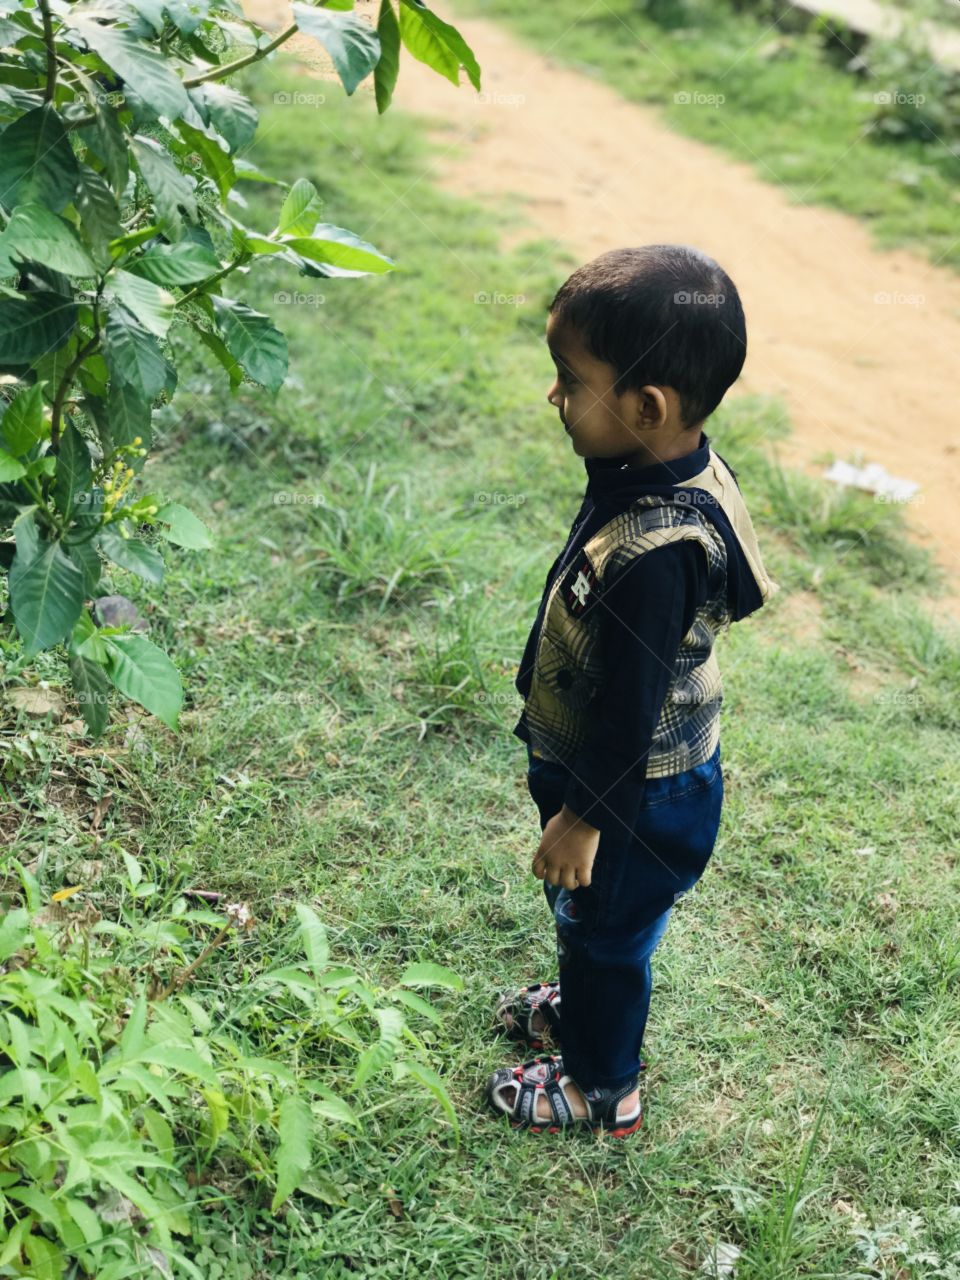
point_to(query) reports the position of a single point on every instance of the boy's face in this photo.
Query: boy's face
(601, 423)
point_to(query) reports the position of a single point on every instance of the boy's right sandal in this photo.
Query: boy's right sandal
(545, 1076)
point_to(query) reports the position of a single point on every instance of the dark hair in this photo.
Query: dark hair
(664, 314)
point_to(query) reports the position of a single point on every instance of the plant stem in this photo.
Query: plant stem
(51, 85)
(65, 384)
(177, 981)
(220, 73)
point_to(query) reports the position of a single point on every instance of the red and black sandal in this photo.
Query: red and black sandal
(520, 1006)
(545, 1076)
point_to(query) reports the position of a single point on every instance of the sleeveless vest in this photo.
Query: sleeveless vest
(568, 668)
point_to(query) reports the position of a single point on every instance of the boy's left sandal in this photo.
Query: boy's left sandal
(545, 1077)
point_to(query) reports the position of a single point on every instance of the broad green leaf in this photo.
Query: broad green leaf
(134, 875)
(37, 162)
(106, 137)
(216, 161)
(350, 42)
(133, 1039)
(46, 597)
(387, 69)
(73, 474)
(23, 424)
(46, 1260)
(33, 232)
(294, 1149)
(436, 43)
(181, 263)
(182, 527)
(430, 975)
(314, 937)
(92, 691)
(128, 416)
(84, 556)
(144, 673)
(418, 1004)
(230, 113)
(115, 1174)
(179, 1058)
(10, 468)
(219, 1114)
(174, 193)
(252, 339)
(133, 354)
(99, 214)
(147, 71)
(301, 209)
(340, 247)
(132, 554)
(159, 1133)
(152, 305)
(214, 343)
(34, 325)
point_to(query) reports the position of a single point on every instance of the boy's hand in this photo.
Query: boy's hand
(567, 850)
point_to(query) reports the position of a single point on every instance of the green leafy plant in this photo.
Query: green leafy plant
(121, 155)
(117, 1083)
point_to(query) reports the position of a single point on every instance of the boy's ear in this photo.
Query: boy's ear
(652, 408)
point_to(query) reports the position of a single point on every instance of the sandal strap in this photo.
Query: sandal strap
(603, 1103)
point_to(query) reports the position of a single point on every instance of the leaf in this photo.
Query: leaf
(34, 325)
(216, 162)
(99, 214)
(84, 556)
(152, 305)
(46, 597)
(73, 474)
(230, 113)
(340, 247)
(132, 554)
(430, 975)
(133, 354)
(387, 69)
(92, 691)
(179, 1058)
(173, 192)
(132, 1040)
(10, 468)
(377, 1056)
(214, 343)
(313, 934)
(430, 1080)
(351, 43)
(181, 263)
(23, 423)
(294, 1150)
(46, 1260)
(37, 162)
(219, 1114)
(183, 528)
(145, 674)
(34, 232)
(436, 43)
(251, 339)
(148, 72)
(300, 210)
(128, 416)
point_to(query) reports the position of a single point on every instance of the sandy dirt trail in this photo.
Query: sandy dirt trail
(861, 345)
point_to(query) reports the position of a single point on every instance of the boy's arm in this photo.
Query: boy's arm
(648, 607)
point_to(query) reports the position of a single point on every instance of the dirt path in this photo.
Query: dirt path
(865, 379)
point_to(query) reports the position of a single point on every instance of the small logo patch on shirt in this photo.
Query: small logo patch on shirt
(580, 587)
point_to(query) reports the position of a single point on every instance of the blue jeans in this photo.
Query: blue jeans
(607, 931)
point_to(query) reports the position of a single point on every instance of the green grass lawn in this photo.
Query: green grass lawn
(382, 531)
(786, 104)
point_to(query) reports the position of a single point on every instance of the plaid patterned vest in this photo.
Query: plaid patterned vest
(568, 671)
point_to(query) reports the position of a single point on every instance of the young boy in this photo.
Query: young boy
(619, 677)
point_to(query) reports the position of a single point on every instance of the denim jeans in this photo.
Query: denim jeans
(607, 931)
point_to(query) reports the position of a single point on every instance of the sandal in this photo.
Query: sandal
(539, 997)
(545, 1075)
(520, 1006)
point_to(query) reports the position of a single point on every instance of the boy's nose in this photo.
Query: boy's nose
(553, 395)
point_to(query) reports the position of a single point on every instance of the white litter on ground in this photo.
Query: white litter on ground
(874, 478)
(722, 1261)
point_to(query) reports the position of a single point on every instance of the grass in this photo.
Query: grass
(383, 527)
(788, 106)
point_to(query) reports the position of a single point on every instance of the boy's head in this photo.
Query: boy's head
(646, 342)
